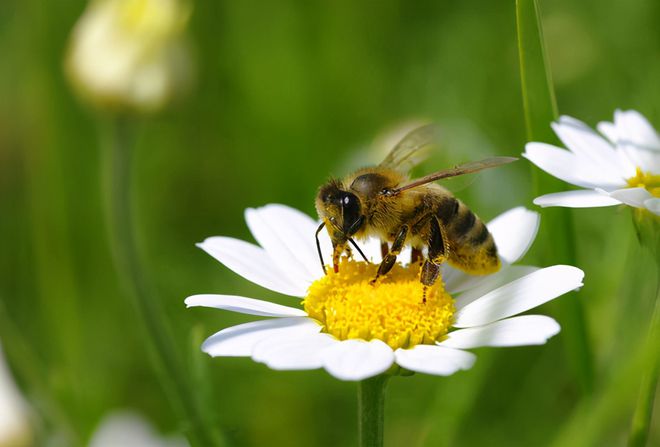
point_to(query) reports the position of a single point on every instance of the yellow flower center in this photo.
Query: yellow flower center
(392, 310)
(646, 180)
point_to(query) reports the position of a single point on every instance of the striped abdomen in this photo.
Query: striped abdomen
(471, 246)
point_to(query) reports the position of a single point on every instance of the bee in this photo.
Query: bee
(381, 201)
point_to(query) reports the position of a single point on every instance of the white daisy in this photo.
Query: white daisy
(355, 330)
(127, 428)
(130, 53)
(622, 168)
(14, 412)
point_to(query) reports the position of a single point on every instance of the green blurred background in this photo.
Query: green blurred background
(288, 93)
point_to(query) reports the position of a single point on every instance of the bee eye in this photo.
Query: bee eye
(351, 213)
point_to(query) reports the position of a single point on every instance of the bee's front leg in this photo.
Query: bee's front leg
(390, 258)
(438, 253)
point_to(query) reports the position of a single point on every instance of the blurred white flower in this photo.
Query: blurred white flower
(130, 53)
(129, 429)
(355, 330)
(623, 167)
(14, 421)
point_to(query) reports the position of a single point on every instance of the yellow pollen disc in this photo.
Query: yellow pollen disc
(392, 310)
(646, 180)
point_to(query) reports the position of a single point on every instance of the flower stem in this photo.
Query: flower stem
(371, 409)
(160, 343)
(644, 410)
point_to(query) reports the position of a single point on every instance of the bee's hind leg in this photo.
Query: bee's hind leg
(390, 258)
(416, 255)
(438, 253)
(384, 249)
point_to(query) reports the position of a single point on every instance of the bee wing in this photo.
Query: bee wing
(467, 168)
(410, 150)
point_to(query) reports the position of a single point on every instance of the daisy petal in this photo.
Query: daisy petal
(481, 285)
(239, 341)
(632, 196)
(589, 146)
(252, 263)
(638, 140)
(288, 237)
(634, 128)
(516, 331)
(518, 296)
(609, 130)
(568, 167)
(286, 353)
(583, 198)
(653, 205)
(514, 231)
(436, 360)
(244, 305)
(371, 249)
(357, 359)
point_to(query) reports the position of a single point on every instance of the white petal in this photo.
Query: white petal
(569, 167)
(288, 237)
(609, 130)
(244, 305)
(590, 147)
(516, 331)
(653, 205)
(514, 231)
(638, 140)
(121, 428)
(371, 249)
(239, 341)
(646, 159)
(253, 264)
(357, 359)
(582, 198)
(286, 353)
(633, 127)
(481, 285)
(518, 296)
(436, 360)
(632, 196)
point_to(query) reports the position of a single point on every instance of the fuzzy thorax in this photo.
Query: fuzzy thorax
(349, 306)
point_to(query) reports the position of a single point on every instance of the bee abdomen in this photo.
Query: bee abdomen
(472, 247)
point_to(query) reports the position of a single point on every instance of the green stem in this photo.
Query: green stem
(644, 410)
(540, 110)
(371, 409)
(173, 376)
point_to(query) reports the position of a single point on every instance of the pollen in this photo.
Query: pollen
(646, 180)
(349, 305)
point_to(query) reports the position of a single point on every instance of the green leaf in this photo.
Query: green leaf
(538, 95)
(540, 109)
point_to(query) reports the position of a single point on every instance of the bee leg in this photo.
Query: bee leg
(438, 253)
(384, 249)
(390, 258)
(415, 255)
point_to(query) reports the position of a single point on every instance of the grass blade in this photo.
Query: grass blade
(540, 109)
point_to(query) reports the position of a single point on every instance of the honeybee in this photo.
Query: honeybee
(381, 201)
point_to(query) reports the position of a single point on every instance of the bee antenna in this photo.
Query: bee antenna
(318, 246)
(350, 239)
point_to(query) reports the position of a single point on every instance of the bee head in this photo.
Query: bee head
(341, 209)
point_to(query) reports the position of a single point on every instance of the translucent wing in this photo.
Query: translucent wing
(466, 168)
(411, 149)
